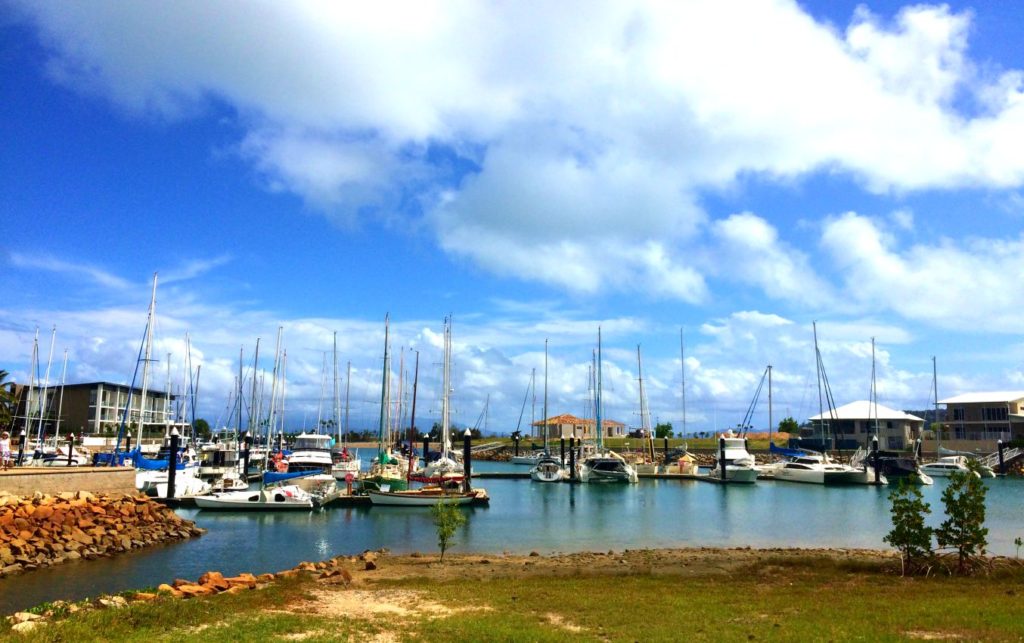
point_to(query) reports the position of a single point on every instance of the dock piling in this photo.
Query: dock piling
(572, 460)
(562, 451)
(874, 458)
(71, 447)
(721, 456)
(21, 447)
(1002, 462)
(172, 463)
(467, 455)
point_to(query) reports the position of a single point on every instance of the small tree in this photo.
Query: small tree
(963, 528)
(909, 534)
(789, 425)
(448, 519)
(663, 430)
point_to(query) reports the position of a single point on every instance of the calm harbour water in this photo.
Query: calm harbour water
(523, 517)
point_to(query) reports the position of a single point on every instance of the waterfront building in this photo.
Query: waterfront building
(568, 425)
(853, 424)
(982, 419)
(95, 409)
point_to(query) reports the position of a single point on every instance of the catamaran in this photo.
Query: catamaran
(604, 465)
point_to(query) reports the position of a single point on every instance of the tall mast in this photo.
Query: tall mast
(167, 400)
(382, 457)
(645, 419)
(335, 411)
(597, 405)
(150, 320)
(320, 403)
(545, 396)
(238, 420)
(935, 387)
(348, 382)
(271, 416)
(60, 403)
(446, 386)
(874, 387)
(46, 383)
(254, 416)
(284, 384)
(32, 368)
(771, 423)
(412, 418)
(682, 367)
(817, 363)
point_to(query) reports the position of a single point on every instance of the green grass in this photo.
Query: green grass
(787, 598)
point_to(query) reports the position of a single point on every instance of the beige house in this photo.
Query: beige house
(567, 426)
(983, 418)
(857, 421)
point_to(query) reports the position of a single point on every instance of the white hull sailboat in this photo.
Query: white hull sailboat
(427, 497)
(278, 498)
(548, 468)
(604, 465)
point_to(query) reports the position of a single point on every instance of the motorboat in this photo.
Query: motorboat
(738, 463)
(274, 498)
(345, 463)
(816, 468)
(230, 481)
(548, 469)
(428, 497)
(947, 466)
(607, 467)
(217, 458)
(311, 455)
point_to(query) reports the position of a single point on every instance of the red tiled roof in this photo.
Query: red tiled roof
(568, 418)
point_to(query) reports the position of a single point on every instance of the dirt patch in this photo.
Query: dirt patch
(371, 604)
(931, 636)
(561, 623)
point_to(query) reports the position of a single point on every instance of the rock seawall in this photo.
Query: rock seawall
(45, 530)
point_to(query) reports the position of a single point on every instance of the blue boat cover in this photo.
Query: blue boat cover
(789, 453)
(270, 477)
(142, 462)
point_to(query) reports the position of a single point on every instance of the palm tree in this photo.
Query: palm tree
(7, 401)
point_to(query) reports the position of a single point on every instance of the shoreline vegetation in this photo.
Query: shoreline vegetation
(646, 594)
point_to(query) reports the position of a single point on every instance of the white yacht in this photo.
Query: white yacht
(608, 467)
(739, 464)
(947, 466)
(817, 469)
(548, 469)
(530, 459)
(311, 453)
(277, 498)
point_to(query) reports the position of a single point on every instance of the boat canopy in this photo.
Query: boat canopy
(142, 462)
(270, 477)
(789, 453)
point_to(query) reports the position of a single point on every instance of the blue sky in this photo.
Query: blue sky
(534, 170)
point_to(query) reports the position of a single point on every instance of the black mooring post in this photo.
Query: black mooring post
(572, 460)
(71, 447)
(666, 450)
(127, 442)
(246, 440)
(562, 451)
(1002, 463)
(874, 458)
(467, 458)
(172, 463)
(721, 456)
(21, 447)
(515, 444)
(426, 448)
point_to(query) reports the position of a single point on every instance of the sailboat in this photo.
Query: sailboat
(385, 473)
(817, 468)
(548, 467)
(604, 465)
(444, 474)
(346, 463)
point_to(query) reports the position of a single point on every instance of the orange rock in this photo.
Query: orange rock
(195, 590)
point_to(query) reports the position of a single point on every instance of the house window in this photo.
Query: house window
(994, 414)
(958, 414)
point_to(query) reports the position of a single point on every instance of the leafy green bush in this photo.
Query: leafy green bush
(909, 533)
(448, 518)
(964, 530)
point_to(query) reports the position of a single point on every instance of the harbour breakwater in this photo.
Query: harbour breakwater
(42, 530)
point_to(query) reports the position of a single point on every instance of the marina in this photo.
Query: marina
(654, 513)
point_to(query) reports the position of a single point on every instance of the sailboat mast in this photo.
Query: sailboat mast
(682, 368)
(384, 403)
(151, 319)
(771, 423)
(545, 396)
(645, 419)
(446, 385)
(412, 417)
(348, 382)
(320, 403)
(817, 363)
(254, 417)
(874, 387)
(935, 388)
(335, 411)
(597, 404)
(32, 368)
(60, 402)
(271, 417)
(46, 383)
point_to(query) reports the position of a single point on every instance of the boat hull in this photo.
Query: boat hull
(738, 475)
(280, 499)
(419, 498)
